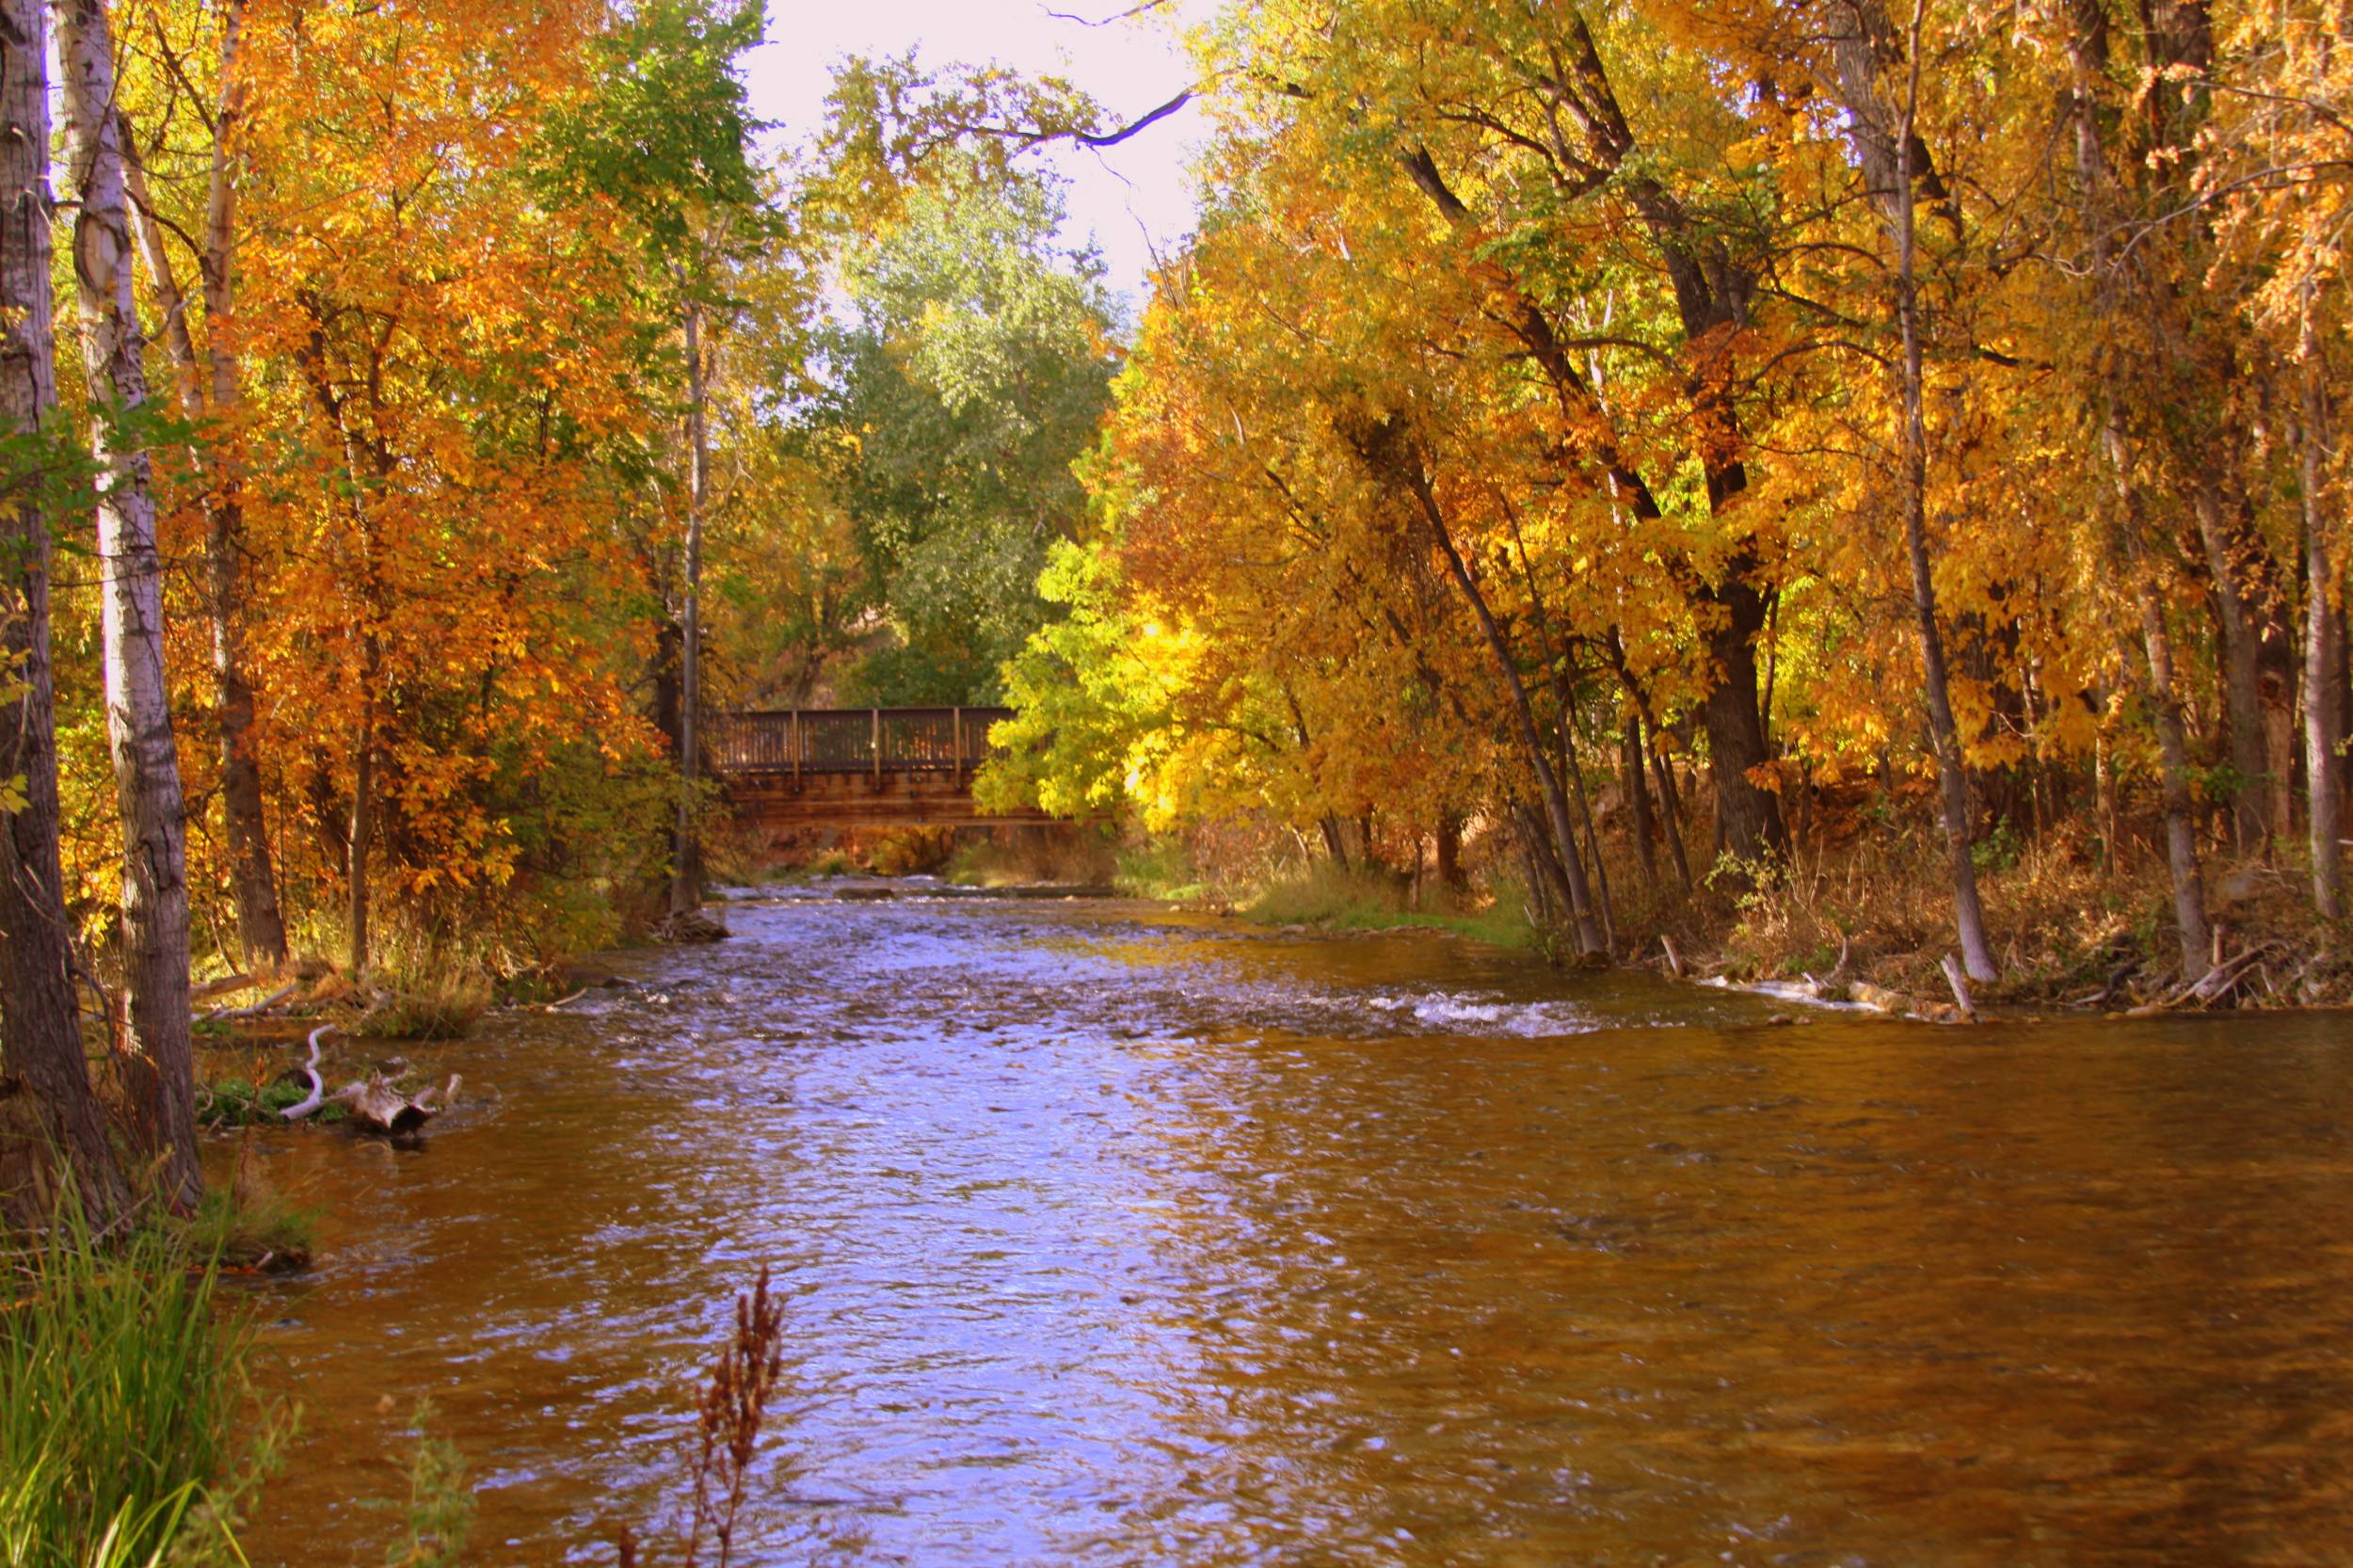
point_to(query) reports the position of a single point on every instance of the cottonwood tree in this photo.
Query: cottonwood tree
(38, 1027)
(155, 1053)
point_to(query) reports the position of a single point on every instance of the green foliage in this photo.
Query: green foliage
(437, 1005)
(976, 370)
(666, 133)
(1090, 689)
(1998, 848)
(128, 1423)
(234, 1101)
(245, 1230)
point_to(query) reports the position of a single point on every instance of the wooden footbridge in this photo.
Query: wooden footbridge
(792, 768)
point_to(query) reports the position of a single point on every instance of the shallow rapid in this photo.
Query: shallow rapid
(1114, 1237)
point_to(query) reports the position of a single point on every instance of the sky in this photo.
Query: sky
(1131, 199)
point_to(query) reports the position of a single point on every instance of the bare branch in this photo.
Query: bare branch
(1118, 16)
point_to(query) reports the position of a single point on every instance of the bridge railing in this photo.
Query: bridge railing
(851, 740)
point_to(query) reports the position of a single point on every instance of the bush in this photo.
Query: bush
(905, 850)
(431, 1006)
(1159, 867)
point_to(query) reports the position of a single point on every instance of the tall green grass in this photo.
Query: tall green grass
(1322, 895)
(129, 1426)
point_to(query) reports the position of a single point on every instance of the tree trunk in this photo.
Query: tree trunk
(1449, 853)
(1637, 797)
(2181, 821)
(1748, 820)
(261, 923)
(1952, 776)
(1669, 801)
(686, 868)
(158, 1061)
(1392, 457)
(2324, 760)
(2237, 620)
(357, 842)
(40, 1041)
(2086, 52)
(1575, 770)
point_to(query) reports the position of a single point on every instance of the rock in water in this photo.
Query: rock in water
(689, 925)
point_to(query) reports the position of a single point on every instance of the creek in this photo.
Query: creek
(1113, 1236)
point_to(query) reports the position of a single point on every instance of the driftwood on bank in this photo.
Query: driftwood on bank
(1841, 976)
(379, 1107)
(310, 1070)
(1878, 999)
(2208, 988)
(373, 1103)
(220, 987)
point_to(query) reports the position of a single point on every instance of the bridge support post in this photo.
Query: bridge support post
(958, 763)
(877, 748)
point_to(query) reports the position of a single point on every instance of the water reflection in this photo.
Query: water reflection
(1120, 1239)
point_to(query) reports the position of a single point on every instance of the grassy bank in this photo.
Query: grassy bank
(131, 1425)
(1327, 897)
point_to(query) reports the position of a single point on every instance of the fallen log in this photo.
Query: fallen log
(1961, 989)
(221, 987)
(252, 1010)
(373, 1103)
(379, 1107)
(447, 1095)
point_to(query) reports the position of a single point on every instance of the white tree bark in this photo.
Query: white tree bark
(40, 1040)
(157, 1059)
(2324, 675)
(260, 925)
(687, 870)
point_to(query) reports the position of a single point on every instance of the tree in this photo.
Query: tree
(37, 1022)
(209, 379)
(666, 136)
(976, 370)
(1885, 120)
(156, 1052)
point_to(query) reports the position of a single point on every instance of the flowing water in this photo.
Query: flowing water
(1112, 1236)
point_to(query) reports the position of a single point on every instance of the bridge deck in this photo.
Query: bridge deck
(877, 741)
(857, 767)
